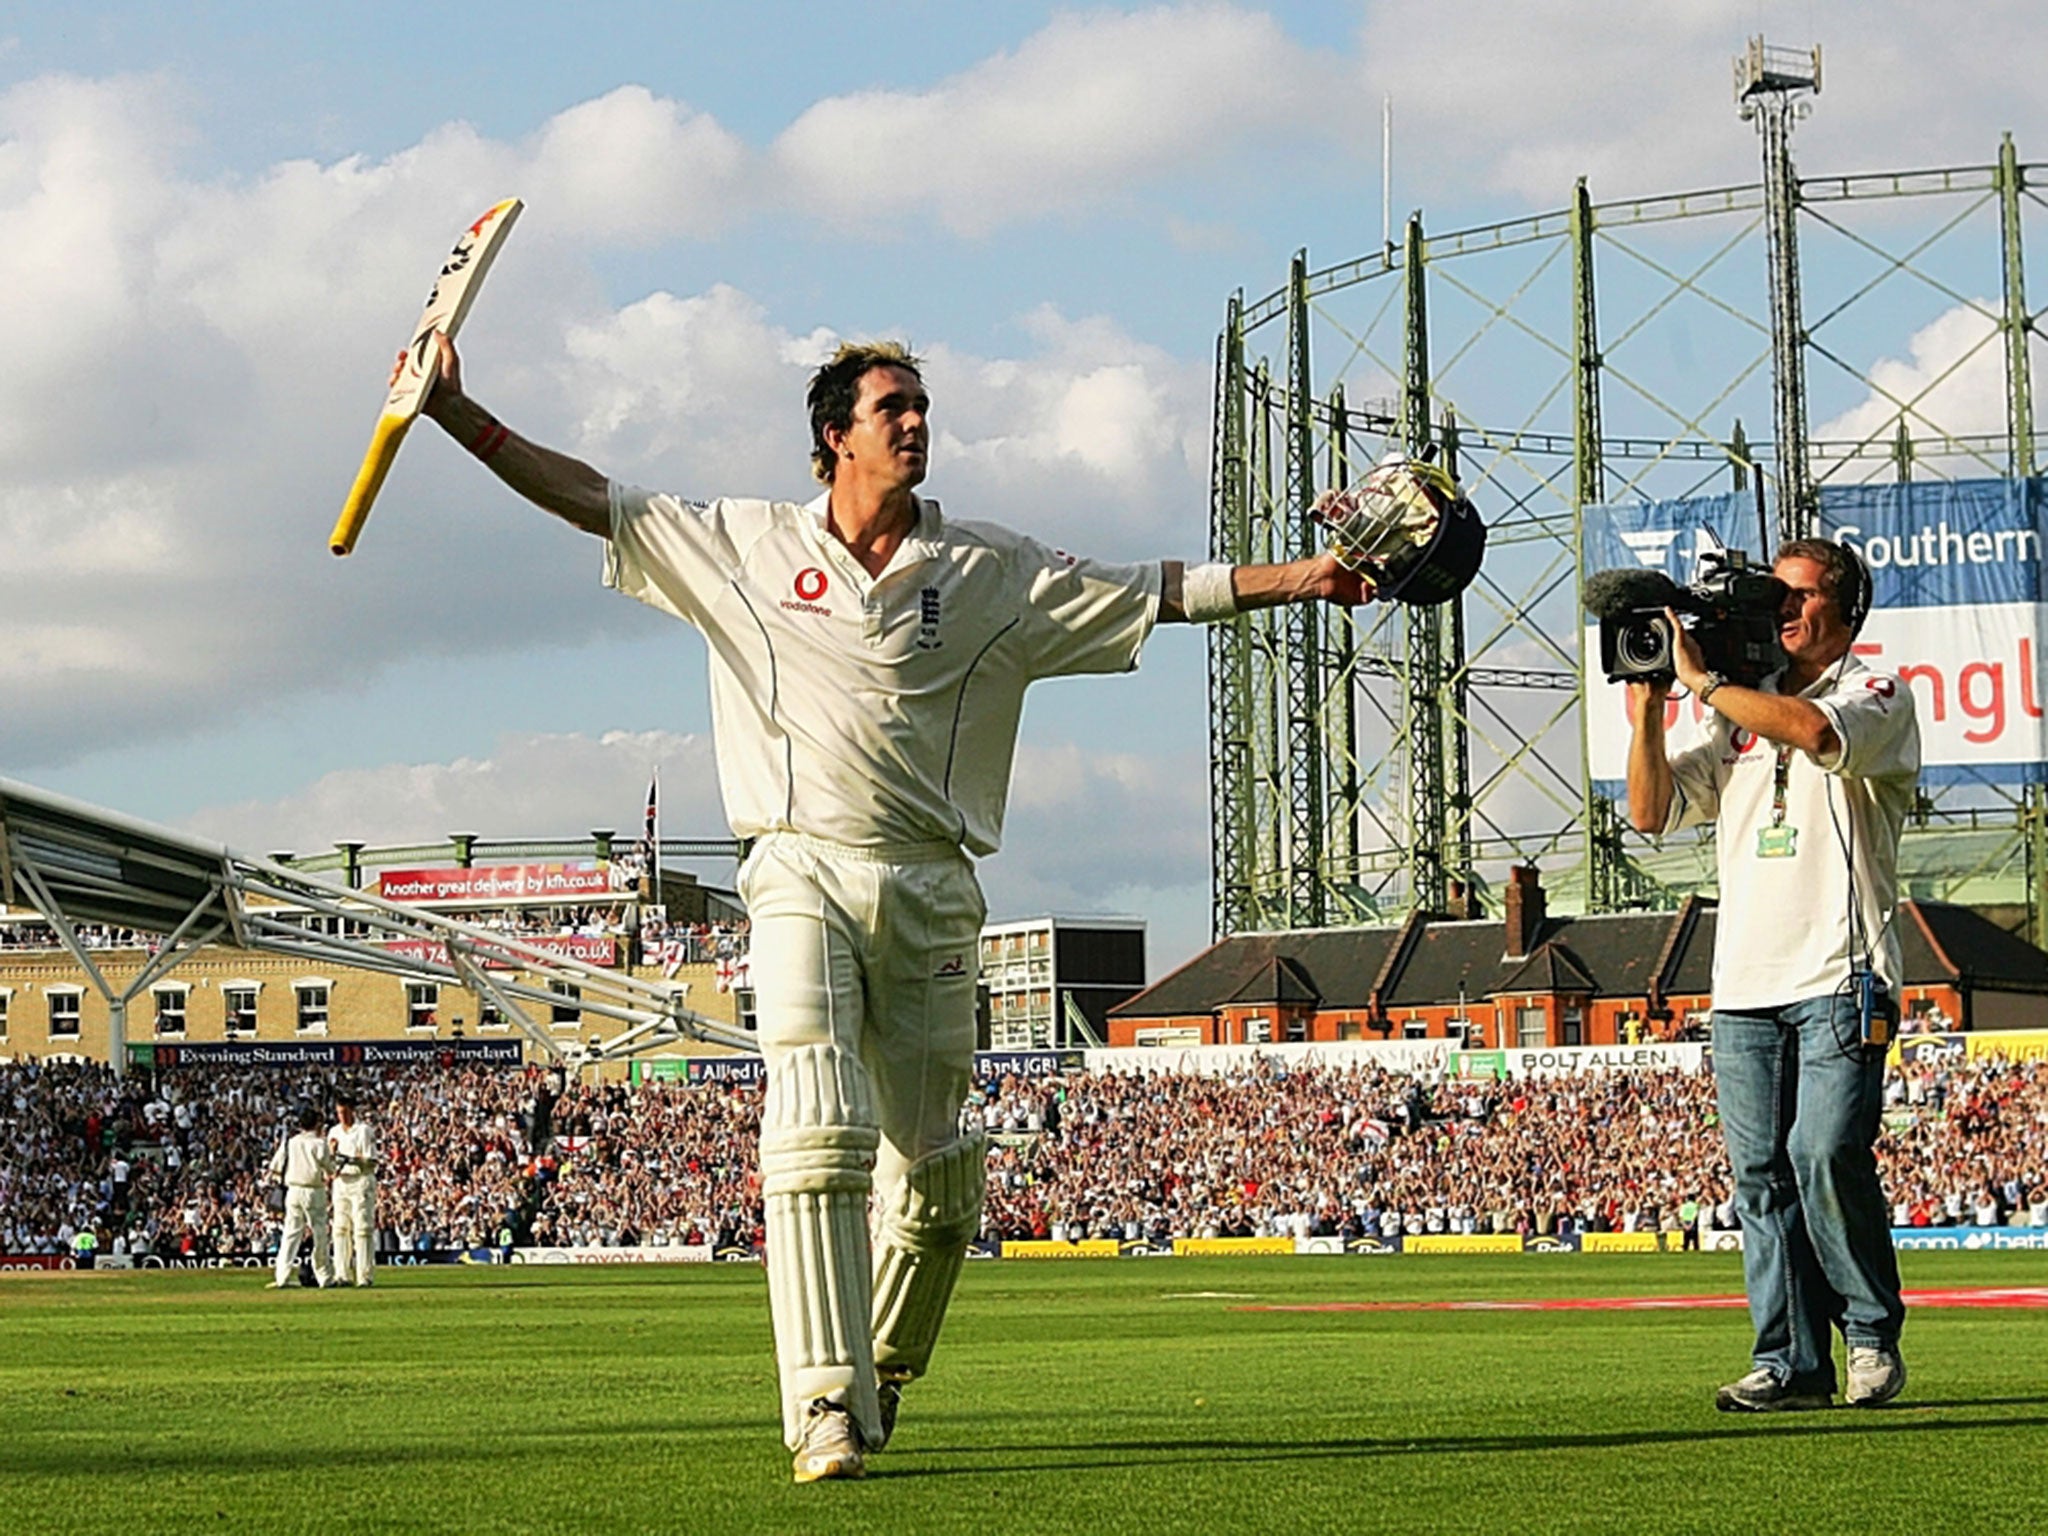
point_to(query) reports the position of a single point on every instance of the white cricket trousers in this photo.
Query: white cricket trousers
(355, 1230)
(305, 1210)
(871, 953)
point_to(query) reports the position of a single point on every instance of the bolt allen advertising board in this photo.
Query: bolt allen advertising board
(1957, 575)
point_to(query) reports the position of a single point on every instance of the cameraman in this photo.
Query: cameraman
(1807, 778)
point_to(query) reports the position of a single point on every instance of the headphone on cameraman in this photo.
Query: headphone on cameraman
(1853, 586)
(1853, 590)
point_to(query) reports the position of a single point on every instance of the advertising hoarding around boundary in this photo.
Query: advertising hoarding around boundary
(1933, 1050)
(1945, 1239)
(330, 1053)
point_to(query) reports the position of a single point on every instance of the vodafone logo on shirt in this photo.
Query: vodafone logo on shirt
(809, 586)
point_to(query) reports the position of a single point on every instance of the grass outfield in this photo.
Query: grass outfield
(1088, 1397)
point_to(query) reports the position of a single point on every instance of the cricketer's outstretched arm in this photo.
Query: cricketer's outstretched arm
(552, 481)
(1316, 578)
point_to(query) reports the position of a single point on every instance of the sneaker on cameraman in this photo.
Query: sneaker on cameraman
(1877, 1374)
(831, 1446)
(1762, 1392)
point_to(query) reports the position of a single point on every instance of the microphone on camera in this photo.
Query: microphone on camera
(1614, 594)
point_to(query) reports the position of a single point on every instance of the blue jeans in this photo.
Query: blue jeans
(1800, 1097)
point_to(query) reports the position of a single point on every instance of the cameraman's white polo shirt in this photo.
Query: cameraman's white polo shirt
(872, 712)
(1784, 932)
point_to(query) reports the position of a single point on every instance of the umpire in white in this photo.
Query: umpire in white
(355, 1194)
(869, 658)
(305, 1163)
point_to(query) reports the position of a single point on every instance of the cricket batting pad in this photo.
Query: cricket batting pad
(818, 1141)
(927, 1221)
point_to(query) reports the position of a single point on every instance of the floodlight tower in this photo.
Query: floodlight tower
(1770, 87)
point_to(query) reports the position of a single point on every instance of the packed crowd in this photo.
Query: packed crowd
(672, 945)
(1363, 1152)
(35, 934)
(692, 943)
(658, 1164)
(171, 1162)
(1357, 1152)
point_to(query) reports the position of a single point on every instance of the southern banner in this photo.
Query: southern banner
(1957, 572)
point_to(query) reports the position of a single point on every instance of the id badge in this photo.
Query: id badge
(1779, 842)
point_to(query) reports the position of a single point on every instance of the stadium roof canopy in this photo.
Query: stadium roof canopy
(79, 864)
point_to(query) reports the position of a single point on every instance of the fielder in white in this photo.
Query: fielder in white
(355, 1195)
(869, 658)
(304, 1162)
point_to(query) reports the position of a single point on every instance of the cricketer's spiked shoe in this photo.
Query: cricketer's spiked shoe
(889, 1385)
(831, 1445)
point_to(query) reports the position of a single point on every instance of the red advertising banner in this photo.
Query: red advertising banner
(497, 882)
(590, 948)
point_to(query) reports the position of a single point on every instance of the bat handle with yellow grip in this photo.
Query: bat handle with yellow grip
(377, 463)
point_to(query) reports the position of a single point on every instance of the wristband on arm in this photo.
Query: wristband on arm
(489, 439)
(1206, 595)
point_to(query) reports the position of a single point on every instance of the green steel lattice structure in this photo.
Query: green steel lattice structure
(1361, 763)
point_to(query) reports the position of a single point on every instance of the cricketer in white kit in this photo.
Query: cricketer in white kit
(354, 1195)
(869, 657)
(304, 1162)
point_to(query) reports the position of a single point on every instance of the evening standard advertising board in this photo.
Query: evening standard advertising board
(1956, 568)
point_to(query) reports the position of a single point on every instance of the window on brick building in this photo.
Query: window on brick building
(238, 1008)
(422, 999)
(65, 1011)
(170, 1011)
(312, 997)
(567, 1010)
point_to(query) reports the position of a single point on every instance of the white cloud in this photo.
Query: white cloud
(1121, 831)
(1072, 117)
(1089, 438)
(530, 786)
(633, 167)
(1076, 809)
(1095, 439)
(1524, 99)
(194, 365)
(1952, 378)
(704, 387)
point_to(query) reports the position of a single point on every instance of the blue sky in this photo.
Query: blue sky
(217, 222)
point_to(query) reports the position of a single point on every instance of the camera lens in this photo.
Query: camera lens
(1644, 645)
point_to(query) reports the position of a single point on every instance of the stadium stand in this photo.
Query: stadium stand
(167, 1164)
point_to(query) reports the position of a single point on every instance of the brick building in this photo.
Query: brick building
(1530, 979)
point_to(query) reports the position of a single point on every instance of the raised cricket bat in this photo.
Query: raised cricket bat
(455, 289)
